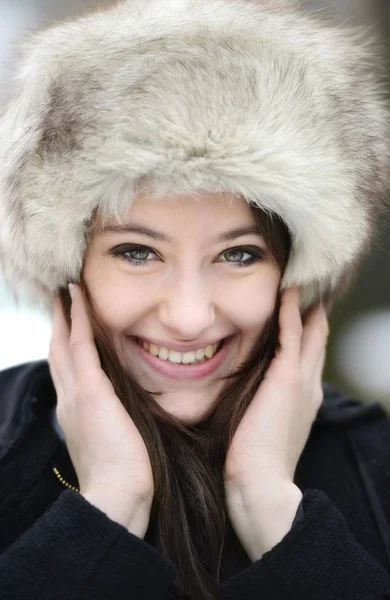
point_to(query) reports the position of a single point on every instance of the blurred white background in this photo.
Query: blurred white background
(359, 348)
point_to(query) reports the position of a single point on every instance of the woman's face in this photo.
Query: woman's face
(179, 288)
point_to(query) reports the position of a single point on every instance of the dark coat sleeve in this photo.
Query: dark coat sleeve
(76, 551)
(318, 558)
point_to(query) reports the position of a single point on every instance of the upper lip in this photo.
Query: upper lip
(180, 347)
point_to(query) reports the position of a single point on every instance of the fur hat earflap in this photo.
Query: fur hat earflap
(253, 97)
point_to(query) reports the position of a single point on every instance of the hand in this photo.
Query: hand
(270, 437)
(106, 448)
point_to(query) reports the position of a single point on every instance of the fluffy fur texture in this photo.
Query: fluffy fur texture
(177, 96)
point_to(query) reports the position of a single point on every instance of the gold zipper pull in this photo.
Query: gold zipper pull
(71, 487)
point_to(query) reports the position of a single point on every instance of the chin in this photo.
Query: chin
(186, 415)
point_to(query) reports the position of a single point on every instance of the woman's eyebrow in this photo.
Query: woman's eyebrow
(161, 237)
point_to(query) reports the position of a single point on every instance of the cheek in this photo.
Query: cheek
(250, 303)
(117, 302)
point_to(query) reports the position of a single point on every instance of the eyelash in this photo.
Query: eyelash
(256, 254)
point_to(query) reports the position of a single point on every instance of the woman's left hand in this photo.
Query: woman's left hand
(273, 432)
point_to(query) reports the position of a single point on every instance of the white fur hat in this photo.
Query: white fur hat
(247, 96)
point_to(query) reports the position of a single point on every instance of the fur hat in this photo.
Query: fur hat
(252, 97)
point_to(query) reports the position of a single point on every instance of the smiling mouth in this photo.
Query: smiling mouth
(185, 359)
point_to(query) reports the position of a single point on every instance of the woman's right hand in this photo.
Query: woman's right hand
(107, 450)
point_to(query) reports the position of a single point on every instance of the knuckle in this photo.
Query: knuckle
(80, 389)
(78, 347)
(74, 343)
(293, 378)
(84, 388)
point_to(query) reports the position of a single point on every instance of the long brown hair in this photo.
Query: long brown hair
(188, 513)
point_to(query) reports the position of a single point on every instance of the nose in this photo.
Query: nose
(187, 309)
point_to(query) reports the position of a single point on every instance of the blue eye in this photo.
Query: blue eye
(254, 253)
(137, 255)
(133, 250)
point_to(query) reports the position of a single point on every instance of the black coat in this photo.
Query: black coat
(55, 545)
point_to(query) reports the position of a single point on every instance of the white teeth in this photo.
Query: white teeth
(185, 358)
(209, 351)
(188, 357)
(199, 354)
(153, 349)
(163, 353)
(174, 357)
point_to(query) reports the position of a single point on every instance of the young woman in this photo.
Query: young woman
(208, 175)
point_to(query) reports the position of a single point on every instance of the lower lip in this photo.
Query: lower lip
(178, 371)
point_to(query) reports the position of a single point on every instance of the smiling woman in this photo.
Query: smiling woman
(186, 297)
(207, 174)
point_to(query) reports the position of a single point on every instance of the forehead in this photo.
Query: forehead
(202, 209)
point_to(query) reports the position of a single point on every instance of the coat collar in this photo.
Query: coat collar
(338, 408)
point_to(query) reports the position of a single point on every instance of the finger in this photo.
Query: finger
(55, 378)
(290, 323)
(317, 379)
(319, 368)
(314, 338)
(85, 356)
(60, 358)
